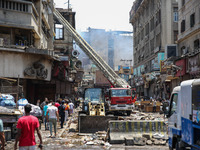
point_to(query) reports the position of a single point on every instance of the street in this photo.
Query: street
(69, 138)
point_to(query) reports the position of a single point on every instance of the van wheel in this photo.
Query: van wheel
(128, 113)
(177, 146)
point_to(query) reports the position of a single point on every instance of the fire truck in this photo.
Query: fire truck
(123, 103)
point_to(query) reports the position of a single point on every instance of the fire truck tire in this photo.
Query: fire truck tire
(128, 113)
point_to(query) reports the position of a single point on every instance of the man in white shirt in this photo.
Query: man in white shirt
(71, 108)
(53, 117)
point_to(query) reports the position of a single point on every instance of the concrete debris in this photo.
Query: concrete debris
(156, 142)
(158, 136)
(129, 141)
(149, 142)
(147, 136)
(90, 143)
(73, 127)
(141, 141)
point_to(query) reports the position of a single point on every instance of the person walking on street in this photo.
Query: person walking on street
(38, 102)
(57, 104)
(2, 137)
(44, 103)
(71, 108)
(26, 127)
(66, 110)
(62, 113)
(53, 117)
(44, 114)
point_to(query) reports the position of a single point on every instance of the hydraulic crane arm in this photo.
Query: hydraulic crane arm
(108, 72)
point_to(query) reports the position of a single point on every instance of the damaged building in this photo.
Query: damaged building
(27, 34)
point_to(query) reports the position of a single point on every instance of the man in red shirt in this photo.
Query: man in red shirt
(26, 126)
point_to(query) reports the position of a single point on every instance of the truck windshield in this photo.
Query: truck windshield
(121, 93)
(93, 94)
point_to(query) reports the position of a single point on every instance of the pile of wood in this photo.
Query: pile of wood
(147, 106)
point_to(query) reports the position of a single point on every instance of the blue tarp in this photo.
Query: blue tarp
(7, 100)
(22, 102)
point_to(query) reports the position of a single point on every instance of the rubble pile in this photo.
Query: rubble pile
(6, 110)
(146, 139)
(136, 115)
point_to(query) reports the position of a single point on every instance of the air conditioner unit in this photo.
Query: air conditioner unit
(171, 50)
(1, 41)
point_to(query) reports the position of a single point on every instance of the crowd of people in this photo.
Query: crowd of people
(53, 112)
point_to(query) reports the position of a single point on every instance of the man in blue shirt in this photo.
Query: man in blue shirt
(44, 114)
(2, 137)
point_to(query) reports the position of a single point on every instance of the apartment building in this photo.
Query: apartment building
(67, 72)
(26, 43)
(188, 39)
(155, 30)
(31, 66)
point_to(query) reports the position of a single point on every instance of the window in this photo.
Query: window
(175, 36)
(183, 50)
(183, 26)
(175, 14)
(147, 29)
(152, 45)
(59, 31)
(173, 104)
(158, 40)
(142, 34)
(152, 24)
(192, 20)
(183, 2)
(196, 44)
(158, 17)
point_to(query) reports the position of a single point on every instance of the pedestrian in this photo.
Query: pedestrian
(2, 137)
(66, 110)
(46, 124)
(154, 105)
(62, 113)
(26, 127)
(44, 103)
(53, 117)
(57, 104)
(71, 108)
(38, 102)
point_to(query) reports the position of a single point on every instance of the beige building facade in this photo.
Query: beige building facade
(189, 27)
(26, 44)
(155, 30)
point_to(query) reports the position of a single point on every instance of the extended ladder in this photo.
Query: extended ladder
(108, 72)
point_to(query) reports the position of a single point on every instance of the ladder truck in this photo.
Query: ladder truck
(122, 104)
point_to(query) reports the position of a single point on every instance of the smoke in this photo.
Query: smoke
(112, 46)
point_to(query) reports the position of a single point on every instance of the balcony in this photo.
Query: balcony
(18, 14)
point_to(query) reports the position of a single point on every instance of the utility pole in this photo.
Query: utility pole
(68, 5)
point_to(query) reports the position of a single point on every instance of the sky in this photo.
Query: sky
(100, 14)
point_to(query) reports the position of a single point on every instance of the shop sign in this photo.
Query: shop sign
(155, 63)
(163, 69)
(135, 72)
(182, 64)
(194, 64)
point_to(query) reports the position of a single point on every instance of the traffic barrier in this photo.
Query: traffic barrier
(119, 130)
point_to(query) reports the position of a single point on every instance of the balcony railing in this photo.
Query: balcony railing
(21, 14)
